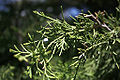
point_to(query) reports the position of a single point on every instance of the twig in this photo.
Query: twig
(76, 71)
(98, 21)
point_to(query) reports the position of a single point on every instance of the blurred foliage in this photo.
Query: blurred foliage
(11, 72)
(6, 72)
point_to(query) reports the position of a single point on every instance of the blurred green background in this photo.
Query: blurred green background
(17, 19)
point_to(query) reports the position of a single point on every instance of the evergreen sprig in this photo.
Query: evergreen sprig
(91, 45)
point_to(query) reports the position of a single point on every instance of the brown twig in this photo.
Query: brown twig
(98, 21)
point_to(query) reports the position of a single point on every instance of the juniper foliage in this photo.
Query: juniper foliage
(87, 50)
